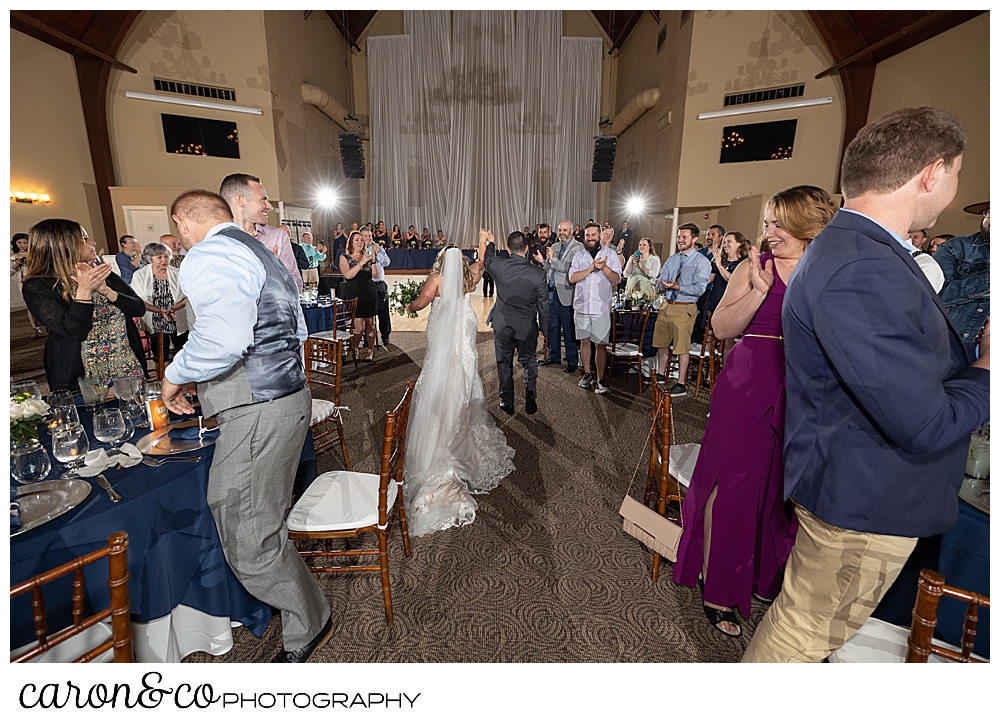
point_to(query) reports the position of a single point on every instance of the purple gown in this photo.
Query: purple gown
(753, 529)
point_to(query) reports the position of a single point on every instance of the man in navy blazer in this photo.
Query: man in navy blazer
(882, 394)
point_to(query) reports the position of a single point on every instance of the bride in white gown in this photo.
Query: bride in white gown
(453, 447)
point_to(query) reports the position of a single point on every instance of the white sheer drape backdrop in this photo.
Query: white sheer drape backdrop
(391, 148)
(579, 108)
(484, 118)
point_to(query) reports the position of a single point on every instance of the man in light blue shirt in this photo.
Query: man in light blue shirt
(245, 354)
(684, 277)
(381, 261)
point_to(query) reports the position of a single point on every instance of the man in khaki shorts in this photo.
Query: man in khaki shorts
(684, 277)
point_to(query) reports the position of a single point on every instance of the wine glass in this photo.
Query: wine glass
(109, 427)
(139, 398)
(88, 392)
(70, 445)
(100, 384)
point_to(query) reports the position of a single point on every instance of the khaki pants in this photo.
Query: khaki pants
(834, 580)
(310, 276)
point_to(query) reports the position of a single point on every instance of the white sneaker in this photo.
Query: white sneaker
(601, 388)
(587, 380)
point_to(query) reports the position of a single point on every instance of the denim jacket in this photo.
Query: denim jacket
(965, 262)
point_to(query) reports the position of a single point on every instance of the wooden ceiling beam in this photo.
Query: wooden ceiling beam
(930, 17)
(79, 45)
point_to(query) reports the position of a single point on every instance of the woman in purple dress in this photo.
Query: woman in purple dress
(738, 530)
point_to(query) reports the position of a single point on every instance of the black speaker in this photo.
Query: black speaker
(604, 158)
(352, 155)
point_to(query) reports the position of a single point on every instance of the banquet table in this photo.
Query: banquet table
(184, 596)
(319, 317)
(962, 556)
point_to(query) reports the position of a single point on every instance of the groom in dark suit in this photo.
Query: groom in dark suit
(882, 394)
(521, 309)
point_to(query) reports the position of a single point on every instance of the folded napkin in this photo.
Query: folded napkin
(192, 433)
(98, 460)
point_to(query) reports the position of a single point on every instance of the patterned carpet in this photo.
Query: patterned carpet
(545, 574)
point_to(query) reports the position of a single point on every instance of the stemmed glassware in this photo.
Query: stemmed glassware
(109, 427)
(62, 411)
(139, 397)
(70, 446)
(100, 384)
(88, 392)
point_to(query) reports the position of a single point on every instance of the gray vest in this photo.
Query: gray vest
(272, 366)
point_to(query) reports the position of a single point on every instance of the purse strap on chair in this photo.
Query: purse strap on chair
(642, 454)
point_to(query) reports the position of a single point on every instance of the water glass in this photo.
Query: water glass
(29, 387)
(70, 446)
(60, 415)
(29, 462)
(109, 426)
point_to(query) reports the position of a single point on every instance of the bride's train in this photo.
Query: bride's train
(454, 449)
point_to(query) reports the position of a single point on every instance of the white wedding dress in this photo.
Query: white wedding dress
(453, 447)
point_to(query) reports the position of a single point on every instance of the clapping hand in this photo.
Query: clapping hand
(91, 278)
(599, 264)
(761, 279)
(538, 257)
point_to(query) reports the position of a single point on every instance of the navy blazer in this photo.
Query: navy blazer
(881, 399)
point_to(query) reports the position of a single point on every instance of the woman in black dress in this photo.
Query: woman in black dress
(87, 309)
(735, 248)
(358, 267)
(397, 237)
(381, 235)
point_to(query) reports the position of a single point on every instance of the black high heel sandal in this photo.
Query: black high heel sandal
(716, 616)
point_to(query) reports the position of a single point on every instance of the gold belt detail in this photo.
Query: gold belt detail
(763, 336)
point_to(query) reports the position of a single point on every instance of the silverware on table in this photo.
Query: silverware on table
(157, 461)
(106, 486)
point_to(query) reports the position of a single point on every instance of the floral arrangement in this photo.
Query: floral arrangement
(402, 293)
(26, 413)
(633, 300)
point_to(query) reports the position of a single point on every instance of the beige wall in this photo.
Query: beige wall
(949, 71)
(646, 164)
(49, 152)
(733, 51)
(221, 48)
(307, 142)
(712, 54)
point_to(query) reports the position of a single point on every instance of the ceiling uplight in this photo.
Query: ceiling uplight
(635, 205)
(327, 197)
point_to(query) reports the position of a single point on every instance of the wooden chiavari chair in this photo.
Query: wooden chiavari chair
(930, 589)
(121, 625)
(628, 330)
(340, 505)
(324, 361)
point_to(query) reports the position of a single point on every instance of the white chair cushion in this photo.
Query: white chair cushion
(627, 350)
(880, 642)
(321, 409)
(327, 335)
(683, 458)
(69, 650)
(339, 501)
(344, 335)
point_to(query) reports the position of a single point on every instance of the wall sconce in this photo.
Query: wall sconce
(22, 197)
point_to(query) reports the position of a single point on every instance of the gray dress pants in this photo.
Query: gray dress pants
(249, 493)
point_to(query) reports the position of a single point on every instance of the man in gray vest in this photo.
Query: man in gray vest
(246, 359)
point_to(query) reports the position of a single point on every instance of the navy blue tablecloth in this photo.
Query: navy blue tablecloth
(175, 556)
(318, 318)
(962, 556)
